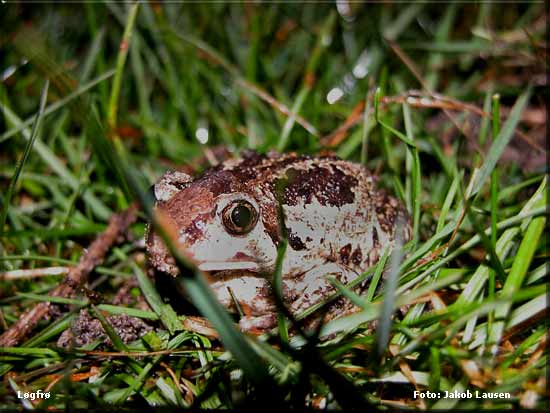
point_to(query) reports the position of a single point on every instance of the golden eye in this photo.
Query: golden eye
(239, 217)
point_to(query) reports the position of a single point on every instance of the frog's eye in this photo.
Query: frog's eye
(239, 217)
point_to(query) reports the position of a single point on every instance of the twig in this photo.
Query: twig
(118, 225)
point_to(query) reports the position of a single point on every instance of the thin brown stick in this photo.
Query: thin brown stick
(118, 225)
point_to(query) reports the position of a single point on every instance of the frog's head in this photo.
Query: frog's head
(223, 222)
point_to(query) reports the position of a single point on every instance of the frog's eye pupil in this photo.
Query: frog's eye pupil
(241, 216)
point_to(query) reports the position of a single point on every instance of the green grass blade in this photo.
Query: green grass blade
(386, 126)
(119, 69)
(366, 128)
(30, 351)
(390, 286)
(323, 41)
(447, 203)
(494, 196)
(50, 299)
(61, 103)
(163, 311)
(26, 153)
(414, 193)
(507, 223)
(234, 341)
(515, 278)
(403, 20)
(278, 286)
(193, 282)
(132, 312)
(500, 142)
(109, 330)
(58, 166)
(377, 275)
(52, 330)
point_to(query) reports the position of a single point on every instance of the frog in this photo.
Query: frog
(232, 219)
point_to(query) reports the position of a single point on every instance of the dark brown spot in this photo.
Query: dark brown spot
(256, 167)
(265, 290)
(330, 186)
(386, 210)
(375, 239)
(242, 256)
(405, 220)
(194, 231)
(357, 256)
(295, 242)
(318, 292)
(374, 256)
(219, 182)
(251, 157)
(268, 215)
(289, 294)
(282, 161)
(345, 252)
(247, 169)
(179, 185)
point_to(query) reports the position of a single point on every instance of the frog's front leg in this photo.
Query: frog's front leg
(301, 292)
(251, 292)
(314, 285)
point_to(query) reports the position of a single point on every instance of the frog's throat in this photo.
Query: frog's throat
(228, 265)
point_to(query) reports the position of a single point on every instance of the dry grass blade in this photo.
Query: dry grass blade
(33, 273)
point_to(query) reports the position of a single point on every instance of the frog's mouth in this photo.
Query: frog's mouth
(212, 266)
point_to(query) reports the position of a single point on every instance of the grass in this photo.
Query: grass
(98, 101)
